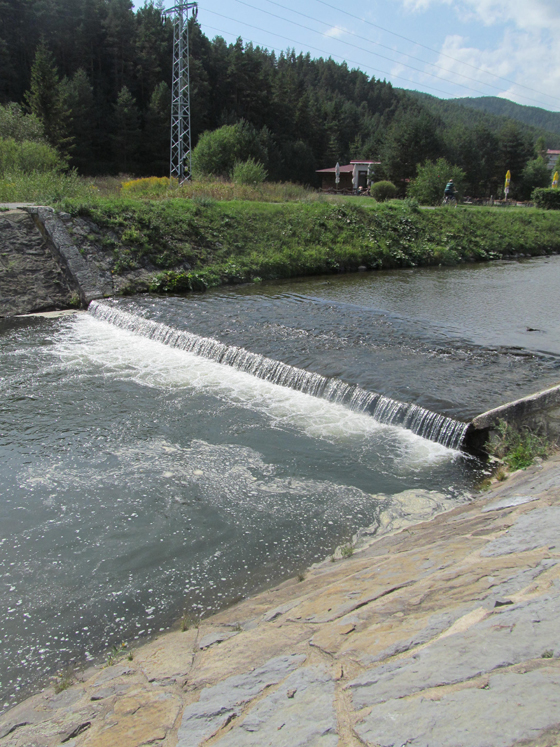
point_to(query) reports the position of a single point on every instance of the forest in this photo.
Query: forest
(92, 78)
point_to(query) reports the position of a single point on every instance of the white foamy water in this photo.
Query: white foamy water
(428, 424)
(122, 354)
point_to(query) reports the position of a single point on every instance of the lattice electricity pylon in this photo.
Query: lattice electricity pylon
(180, 151)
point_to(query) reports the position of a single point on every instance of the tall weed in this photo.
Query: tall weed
(44, 187)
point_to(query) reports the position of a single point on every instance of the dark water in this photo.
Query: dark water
(137, 480)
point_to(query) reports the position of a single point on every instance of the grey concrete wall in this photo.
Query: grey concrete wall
(539, 412)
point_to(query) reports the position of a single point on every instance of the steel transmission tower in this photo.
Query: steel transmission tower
(180, 152)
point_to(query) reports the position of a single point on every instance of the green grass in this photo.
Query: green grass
(518, 448)
(243, 241)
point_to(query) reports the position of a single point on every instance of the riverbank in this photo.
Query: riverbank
(442, 633)
(180, 245)
(112, 246)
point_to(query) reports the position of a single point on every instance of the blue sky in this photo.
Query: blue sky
(453, 48)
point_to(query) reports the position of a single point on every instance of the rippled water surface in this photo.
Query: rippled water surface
(138, 480)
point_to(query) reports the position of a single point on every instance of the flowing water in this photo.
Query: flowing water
(163, 454)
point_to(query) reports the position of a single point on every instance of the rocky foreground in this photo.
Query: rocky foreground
(446, 633)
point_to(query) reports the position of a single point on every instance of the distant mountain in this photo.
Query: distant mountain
(530, 115)
(493, 113)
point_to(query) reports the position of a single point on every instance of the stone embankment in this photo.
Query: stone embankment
(442, 634)
(50, 261)
(31, 278)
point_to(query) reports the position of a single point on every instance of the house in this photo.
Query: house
(551, 158)
(352, 176)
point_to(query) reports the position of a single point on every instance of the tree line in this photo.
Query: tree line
(95, 76)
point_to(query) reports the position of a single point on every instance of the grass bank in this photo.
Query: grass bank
(199, 243)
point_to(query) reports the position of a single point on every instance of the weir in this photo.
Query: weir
(422, 422)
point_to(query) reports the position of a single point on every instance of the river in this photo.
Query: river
(139, 480)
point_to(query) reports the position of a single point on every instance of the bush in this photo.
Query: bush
(217, 152)
(534, 175)
(547, 199)
(429, 185)
(382, 191)
(28, 157)
(15, 124)
(248, 172)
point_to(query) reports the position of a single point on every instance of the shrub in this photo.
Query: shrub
(248, 172)
(547, 199)
(382, 191)
(429, 185)
(28, 157)
(534, 175)
(14, 123)
(217, 152)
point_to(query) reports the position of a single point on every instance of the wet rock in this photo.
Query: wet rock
(30, 276)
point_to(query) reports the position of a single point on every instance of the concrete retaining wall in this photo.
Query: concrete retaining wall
(539, 412)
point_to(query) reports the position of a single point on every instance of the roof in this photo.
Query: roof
(553, 152)
(348, 169)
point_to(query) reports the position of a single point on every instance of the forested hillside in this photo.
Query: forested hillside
(470, 113)
(92, 78)
(529, 115)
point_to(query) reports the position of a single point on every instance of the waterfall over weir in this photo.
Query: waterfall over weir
(422, 422)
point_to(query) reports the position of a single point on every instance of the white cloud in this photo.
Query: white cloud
(525, 14)
(519, 57)
(335, 32)
(526, 52)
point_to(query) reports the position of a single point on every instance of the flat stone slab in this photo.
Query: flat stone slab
(283, 718)
(514, 500)
(535, 529)
(219, 704)
(509, 709)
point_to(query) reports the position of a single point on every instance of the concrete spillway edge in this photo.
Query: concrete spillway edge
(539, 412)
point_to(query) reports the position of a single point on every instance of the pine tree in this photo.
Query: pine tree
(126, 136)
(79, 96)
(47, 100)
(157, 131)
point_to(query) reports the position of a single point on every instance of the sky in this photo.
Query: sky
(448, 48)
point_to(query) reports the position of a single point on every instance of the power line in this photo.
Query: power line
(316, 49)
(355, 46)
(435, 51)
